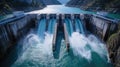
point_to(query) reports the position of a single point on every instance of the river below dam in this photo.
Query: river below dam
(35, 49)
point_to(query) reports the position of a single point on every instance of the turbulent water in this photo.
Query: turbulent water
(85, 51)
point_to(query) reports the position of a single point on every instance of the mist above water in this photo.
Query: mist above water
(36, 52)
(84, 46)
(39, 53)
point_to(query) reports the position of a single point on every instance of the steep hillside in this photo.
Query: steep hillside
(8, 6)
(95, 5)
(113, 45)
(51, 2)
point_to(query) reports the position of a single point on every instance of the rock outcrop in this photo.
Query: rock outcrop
(8, 6)
(113, 45)
(50, 2)
(95, 5)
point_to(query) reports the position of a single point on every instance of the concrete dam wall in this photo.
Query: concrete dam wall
(102, 26)
(12, 29)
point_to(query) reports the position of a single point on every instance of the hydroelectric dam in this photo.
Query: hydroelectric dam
(55, 39)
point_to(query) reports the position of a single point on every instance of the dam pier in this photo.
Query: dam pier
(56, 38)
(14, 28)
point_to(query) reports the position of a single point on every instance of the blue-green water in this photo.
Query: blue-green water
(36, 49)
(69, 26)
(58, 9)
(63, 1)
(41, 28)
(51, 26)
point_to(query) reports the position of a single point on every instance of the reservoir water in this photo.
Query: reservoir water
(35, 50)
(60, 9)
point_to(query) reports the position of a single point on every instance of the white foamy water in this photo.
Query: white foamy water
(37, 54)
(78, 44)
(84, 46)
(35, 50)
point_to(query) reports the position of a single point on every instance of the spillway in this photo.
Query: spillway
(61, 41)
(79, 27)
(51, 26)
(41, 28)
(69, 26)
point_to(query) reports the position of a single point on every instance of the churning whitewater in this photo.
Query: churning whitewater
(84, 46)
(85, 51)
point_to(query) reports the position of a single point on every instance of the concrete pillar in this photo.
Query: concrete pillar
(54, 37)
(57, 16)
(63, 16)
(72, 16)
(47, 16)
(82, 16)
(38, 17)
(47, 21)
(66, 37)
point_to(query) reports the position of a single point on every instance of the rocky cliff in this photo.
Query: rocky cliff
(113, 45)
(8, 6)
(50, 2)
(95, 5)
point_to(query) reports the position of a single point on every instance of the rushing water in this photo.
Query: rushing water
(36, 50)
(85, 52)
